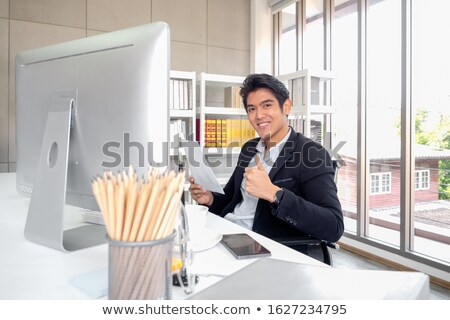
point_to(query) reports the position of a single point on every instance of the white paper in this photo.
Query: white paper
(202, 173)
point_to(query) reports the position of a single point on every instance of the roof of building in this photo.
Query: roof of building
(391, 150)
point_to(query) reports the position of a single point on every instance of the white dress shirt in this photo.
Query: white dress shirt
(244, 212)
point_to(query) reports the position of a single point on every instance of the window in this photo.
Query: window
(430, 99)
(288, 42)
(380, 183)
(383, 108)
(391, 91)
(422, 179)
(313, 40)
(344, 92)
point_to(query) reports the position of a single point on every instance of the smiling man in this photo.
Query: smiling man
(283, 185)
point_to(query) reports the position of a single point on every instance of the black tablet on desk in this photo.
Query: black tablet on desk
(242, 246)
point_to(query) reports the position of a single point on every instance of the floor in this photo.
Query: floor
(346, 259)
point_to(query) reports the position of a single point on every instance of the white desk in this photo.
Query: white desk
(32, 271)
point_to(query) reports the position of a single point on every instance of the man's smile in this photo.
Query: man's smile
(263, 124)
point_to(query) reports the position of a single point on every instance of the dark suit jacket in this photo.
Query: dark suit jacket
(310, 205)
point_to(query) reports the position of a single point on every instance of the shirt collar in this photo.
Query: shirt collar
(273, 152)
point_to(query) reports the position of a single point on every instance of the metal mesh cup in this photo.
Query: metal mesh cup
(141, 270)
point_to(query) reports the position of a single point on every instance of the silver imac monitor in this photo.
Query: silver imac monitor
(83, 107)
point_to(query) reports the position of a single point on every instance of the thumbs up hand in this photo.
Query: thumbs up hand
(258, 183)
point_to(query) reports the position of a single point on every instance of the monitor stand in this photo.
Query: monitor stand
(45, 220)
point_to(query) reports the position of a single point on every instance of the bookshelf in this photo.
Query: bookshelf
(221, 118)
(182, 100)
(307, 107)
(182, 105)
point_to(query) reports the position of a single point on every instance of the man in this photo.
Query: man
(283, 185)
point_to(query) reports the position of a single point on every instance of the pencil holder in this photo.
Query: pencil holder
(141, 270)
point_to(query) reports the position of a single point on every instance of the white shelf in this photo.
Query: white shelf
(174, 113)
(314, 109)
(220, 80)
(182, 75)
(315, 83)
(323, 75)
(223, 111)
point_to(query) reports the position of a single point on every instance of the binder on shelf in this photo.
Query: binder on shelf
(176, 95)
(180, 94)
(186, 95)
(232, 98)
(171, 94)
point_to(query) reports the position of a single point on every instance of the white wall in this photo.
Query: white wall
(207, 35)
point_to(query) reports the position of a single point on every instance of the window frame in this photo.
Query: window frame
(379, 187)
(418, 185)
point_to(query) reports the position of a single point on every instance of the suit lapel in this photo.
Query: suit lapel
(285, 154)
(247, 154)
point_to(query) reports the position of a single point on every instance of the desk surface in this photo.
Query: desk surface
(31, 271)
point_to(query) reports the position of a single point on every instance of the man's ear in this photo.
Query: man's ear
(287, 106)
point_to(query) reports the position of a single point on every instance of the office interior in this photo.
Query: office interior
(388, 119)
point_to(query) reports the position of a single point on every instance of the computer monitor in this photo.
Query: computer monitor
(83, 107)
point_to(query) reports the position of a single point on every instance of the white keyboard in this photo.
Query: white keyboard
(91, 216)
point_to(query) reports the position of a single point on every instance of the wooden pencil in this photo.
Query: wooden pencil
(149, 211)
(111, 207)
(120, 208)
(132, 198)
(144, 193)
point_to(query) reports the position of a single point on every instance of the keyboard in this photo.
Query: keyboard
(91, 216)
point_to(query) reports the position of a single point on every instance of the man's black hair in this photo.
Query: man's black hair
(262, 80)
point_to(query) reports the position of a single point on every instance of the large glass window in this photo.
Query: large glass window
(344, 59)
(379, 38)
(288, 40)
(383, 114)
(431, 105)
(314, 35)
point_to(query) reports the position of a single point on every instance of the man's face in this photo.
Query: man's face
(266, 116)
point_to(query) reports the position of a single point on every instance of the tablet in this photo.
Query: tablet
(242, 246)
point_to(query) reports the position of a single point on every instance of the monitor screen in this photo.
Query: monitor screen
(120, 116)
(118, 84)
